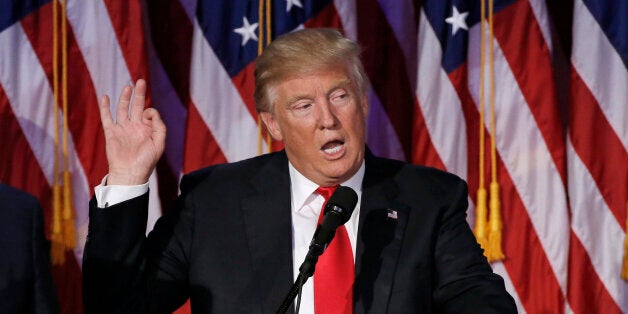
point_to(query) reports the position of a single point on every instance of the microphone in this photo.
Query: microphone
(337, 212)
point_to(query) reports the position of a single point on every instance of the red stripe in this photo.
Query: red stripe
(127, 20)
(460, 81)
(423, 151)
(586, 292)
(244, 82)
(524, 47)
(83, 115)
(389, 79)
(540, 293)
(20, 167)
(327, 17)
(22, 170)
(201, 149)
(599, 148)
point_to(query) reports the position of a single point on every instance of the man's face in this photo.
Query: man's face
(321, 119)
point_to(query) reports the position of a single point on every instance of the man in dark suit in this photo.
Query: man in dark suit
(25, 280)
(239, 231)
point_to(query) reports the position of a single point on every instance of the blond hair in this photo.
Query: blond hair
(303, 52)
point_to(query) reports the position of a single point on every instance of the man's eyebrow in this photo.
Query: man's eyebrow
(296, 98)
(340, 84)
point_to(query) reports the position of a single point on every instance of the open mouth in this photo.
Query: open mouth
(333, 147)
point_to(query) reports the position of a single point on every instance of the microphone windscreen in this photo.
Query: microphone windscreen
(344, 200)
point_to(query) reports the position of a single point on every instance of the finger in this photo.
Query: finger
(151, 117)
(122, 114)
(105, 112)
(139, 100)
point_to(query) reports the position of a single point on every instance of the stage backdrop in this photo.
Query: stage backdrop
(556, 110)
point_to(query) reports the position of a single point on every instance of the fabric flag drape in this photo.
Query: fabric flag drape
(562, 168)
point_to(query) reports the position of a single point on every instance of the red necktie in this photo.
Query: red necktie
(334, 274)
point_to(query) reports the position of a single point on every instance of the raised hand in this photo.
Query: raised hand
(135, 140)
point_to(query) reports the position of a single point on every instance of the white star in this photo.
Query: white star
(296, 3)
(247, 31)
(457, 21)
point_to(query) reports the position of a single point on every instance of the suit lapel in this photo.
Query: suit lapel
(268, 227)
(380, 234)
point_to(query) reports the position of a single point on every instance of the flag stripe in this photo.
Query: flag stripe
(439, 103)
(612, 17)
(88, 135)
(608, 171)
(201, 148)
(597, 63)
(217, 91)
(582, 274)
(601, 236)
(173, 43)
(126, 18)
(532, 70)
(389, 80)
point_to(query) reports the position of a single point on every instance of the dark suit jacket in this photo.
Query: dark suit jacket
(228, 246)
(25, 280)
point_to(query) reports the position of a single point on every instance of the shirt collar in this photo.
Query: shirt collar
(303, 188)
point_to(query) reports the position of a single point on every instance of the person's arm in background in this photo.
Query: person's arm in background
(45, 297)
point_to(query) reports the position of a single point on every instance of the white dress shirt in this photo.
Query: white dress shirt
(306, 206)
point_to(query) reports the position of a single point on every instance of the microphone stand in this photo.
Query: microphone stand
(305, 271)
(296, 288)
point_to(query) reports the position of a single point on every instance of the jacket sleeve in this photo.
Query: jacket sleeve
(465, 280)
(125, 272)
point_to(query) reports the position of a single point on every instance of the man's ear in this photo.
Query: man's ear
(364, 105)
(272, 125)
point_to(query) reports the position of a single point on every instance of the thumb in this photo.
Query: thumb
(152, 118)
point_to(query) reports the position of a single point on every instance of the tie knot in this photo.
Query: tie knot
(326, 192)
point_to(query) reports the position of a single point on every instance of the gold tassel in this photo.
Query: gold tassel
(481, 210)
(624, 269)
(69, 234)
(480, 219)
(57, 249)
(494, 248)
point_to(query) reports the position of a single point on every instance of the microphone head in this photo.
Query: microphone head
(342, 202)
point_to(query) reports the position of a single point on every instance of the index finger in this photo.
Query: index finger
(139, 100)
(105, 112)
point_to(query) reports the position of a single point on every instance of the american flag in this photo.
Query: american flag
(561, 132)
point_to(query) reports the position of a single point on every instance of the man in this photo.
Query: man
(25, 279)
(239, 231)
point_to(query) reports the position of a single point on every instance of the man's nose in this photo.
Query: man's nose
(326, 116)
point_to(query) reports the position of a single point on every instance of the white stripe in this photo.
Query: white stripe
(99, 46)
(596, 227)
(30, 95)
(602, 70)
(528, 162)
(219, 103)
(347, 11)
(540, 12)
(439, 102)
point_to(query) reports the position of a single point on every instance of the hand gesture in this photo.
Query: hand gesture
(134, 141)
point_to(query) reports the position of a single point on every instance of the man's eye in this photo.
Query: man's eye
(302, 106)
(340, 98)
